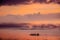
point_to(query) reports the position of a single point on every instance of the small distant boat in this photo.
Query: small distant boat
(34, 34)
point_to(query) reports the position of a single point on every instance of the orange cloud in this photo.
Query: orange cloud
(30, 9)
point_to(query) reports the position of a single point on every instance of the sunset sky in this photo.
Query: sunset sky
(23, 7)
(30, 11)
(28, 7)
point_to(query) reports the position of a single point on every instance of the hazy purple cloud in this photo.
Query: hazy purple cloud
(40, 1)
(13, 2)
(26, 18)
(45, 1)
(16, 2)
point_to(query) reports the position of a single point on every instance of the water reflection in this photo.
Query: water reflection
(26, 39)
(7, 39)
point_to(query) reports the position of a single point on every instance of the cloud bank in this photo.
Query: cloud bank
(29, 17)
(13, 2)
(16, 2)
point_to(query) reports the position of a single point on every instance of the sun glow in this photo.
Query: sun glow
(30, 9)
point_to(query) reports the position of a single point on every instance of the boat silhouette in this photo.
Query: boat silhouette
(34, 34)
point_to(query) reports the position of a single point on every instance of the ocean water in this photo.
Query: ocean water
(16, 34)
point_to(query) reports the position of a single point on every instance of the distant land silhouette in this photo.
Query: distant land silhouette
(26, 26)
